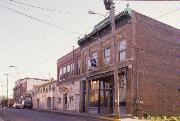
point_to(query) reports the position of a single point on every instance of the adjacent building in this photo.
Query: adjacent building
(45, 96)
(68, 73)
(22, 86)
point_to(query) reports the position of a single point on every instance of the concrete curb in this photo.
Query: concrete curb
(1, 119)
(78, 115)
(110, 119)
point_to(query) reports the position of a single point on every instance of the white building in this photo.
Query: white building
(51, 96)
(23, 86)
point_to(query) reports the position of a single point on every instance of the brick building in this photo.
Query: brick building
(22, 86)
(68, 73)
(146, 59)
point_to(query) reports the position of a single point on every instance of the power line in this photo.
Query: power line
(12, 4)
(79, 24)
(38, 7)
(39, 20)
(169, 12)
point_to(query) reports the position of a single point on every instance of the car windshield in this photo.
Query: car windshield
(28, 98)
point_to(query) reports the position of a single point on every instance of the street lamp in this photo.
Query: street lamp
(16, 67)
(7, 88)
(92, 12)
(13, 66)
(17, 76)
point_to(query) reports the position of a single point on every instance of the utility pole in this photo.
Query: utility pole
(109, 5)
(2, 87)
(7, 89)
(73, 64)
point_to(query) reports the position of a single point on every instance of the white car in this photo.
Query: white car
(18, 105)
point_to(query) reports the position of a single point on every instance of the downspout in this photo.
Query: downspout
(134, 64)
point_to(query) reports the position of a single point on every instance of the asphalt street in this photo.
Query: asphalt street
(33, 115)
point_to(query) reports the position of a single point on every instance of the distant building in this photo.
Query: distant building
(22, 86)
(45, 96)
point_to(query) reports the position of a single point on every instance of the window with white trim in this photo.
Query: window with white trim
(68, 68)
(60, 72)
(94, 60)
(107, 55)
(64, 70)
(85, 61)
(72, 66)
(79, 65)
(122, 50)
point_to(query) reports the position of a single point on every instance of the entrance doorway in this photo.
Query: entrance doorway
(83, 95)
(101, 95)
(37, 103)
(65, 101)
(122, 93)
(48, 102)
(53, 101)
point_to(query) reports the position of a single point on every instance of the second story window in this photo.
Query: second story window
(94, 60)
(64, 70)
(60, 72)
(122, 50)
(68, 68)
(107, 55)
(85, 61)
(50, 87)
(79, 65)
(72, 66)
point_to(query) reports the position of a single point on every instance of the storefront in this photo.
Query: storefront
(101, 95)
(98, 94)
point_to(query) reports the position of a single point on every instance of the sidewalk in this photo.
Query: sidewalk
(1, 119)
(124, 117)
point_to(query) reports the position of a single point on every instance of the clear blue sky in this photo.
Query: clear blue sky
(35, 47)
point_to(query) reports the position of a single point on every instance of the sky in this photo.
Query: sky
(32, 39)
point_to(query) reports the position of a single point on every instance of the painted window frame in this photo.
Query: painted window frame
(122, 50)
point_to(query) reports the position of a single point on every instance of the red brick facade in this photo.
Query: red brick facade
(156, 66)
(150, 66)
(68, 65)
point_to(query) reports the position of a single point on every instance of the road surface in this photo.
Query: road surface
(33, 115)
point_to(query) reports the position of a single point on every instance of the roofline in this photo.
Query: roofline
(50, 82)
(106, 23)
(75, 50)
(33, 78)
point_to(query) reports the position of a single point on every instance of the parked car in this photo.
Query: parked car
(18, 105)
(27, 104)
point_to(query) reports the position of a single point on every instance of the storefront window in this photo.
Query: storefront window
(94, 99)
(94, 86)
(105, 91)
